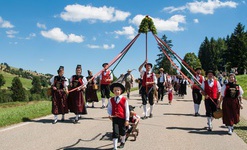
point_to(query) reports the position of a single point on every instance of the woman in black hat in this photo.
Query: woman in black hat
(211, 92)
(91, 91)
(59, 94)
(231, 96)
(77, 97)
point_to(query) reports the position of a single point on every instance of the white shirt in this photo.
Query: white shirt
(241, 92)
(111, 76)
(162, 77)
(65, 84)
(84, 81)
(148, 75)
(109, 108)
(211, 84)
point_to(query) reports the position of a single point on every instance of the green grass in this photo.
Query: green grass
(241, 129)
(16, 112)
(27, 83)
(242, 81)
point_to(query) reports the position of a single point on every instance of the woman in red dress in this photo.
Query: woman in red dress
(231, 96)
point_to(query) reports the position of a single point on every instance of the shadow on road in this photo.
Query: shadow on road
(202, 131)
(177, 114)
(184, 100)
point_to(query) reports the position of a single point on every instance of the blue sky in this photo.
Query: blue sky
(42, 35)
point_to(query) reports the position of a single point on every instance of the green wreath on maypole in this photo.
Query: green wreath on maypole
(147, 25)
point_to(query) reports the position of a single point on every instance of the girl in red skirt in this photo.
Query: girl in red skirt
(170, 93)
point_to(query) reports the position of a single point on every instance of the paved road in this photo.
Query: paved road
(173, 127)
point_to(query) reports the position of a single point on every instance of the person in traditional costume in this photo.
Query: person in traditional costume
(183, 87)
(196, 94)
(106, 78)
(76, 97)
(128, 79)
(211, 90)
(148, 81)
(161, 84)
(59, 86)
(170, 94)
(118, 111)
(231, 96)
(91, 90)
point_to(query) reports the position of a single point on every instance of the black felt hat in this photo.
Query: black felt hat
(60, 68)
(198, 68)
(78, 67)
(131, 108)
(117, 85)
(149, 65)
(210, 71)
(104, 64)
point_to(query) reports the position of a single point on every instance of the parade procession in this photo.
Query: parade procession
(143, 93)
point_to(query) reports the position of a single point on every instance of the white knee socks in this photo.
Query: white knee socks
(115, 141)
(123, 139)
(196, 107)
(55, 117)
(151, 109)
(145, 110)
(103, 101)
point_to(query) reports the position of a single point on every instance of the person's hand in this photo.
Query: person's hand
(241, 105)
(126, 123)
(66, 91)
(54, 88)
(218, 105)
(206, 97)
(79, 88)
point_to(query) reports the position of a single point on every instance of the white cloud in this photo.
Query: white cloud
(196, 20)
(5, 24)
(207, 7)
(58, 35)
(11, 33)
(77, 13)
(41, 59)
(128, 31)
(42, 26)
(94, 39)
(243, 2)
(171, 24)
(31, 35)
(104, 46)
(13, 43)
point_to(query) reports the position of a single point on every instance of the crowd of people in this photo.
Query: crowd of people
(68, 95)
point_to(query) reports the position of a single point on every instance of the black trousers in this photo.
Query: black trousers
(105, 91)
(161, 90)
(197, 96)
(118, 127)
(210, 107)
(147, 94)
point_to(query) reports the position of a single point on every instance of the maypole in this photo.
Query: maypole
(147, 25)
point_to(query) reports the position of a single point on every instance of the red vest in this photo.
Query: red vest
(146, 79)
(195, 86)
(119, 109)
(211, 91)
(104, 77)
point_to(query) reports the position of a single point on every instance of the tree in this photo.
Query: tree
(18, 90)
(162, 61)
(44, 81)
(192, 60)
(36, 88)
(237, 49)
(2, 80)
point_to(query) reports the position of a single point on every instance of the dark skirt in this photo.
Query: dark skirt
(59, 102)
(76, 102)
(231, 111)
(91, 94)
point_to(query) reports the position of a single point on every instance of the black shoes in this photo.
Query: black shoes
(197, 114)
(76, 121)
(151, 116)
(121, 145)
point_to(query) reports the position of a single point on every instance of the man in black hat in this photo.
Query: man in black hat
(196, 94)
(148, 80)
(211, 90)
(59, 86)
(128, 79)
(106, 78)
(118, 110)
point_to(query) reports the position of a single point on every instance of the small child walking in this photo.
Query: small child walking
(118, 111)
(170, 94)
